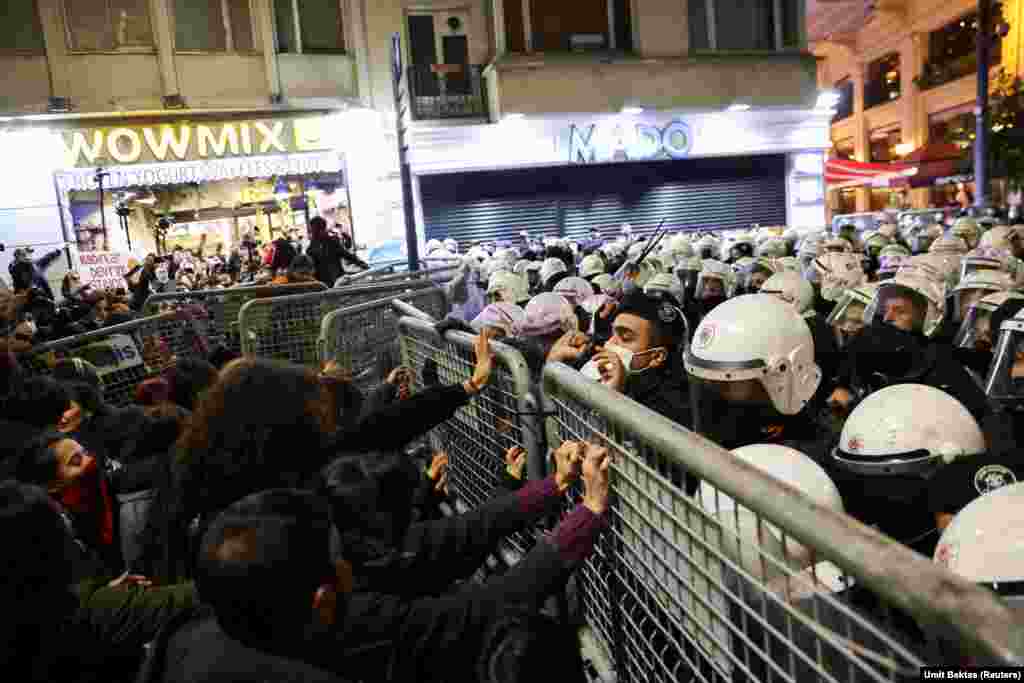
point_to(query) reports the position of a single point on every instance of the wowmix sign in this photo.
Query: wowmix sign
(187, 141)
(620, 141)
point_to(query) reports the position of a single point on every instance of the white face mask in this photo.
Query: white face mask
(591, 371)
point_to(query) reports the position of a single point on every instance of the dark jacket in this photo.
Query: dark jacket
(102, 637)
(198, 651)
(327, 254)
(27, 274)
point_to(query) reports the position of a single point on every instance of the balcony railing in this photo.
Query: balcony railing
(447, 91)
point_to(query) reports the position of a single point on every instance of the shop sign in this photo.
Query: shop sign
(602, 143)
(186, 141)
(116, 352)
(149, 175)
(103, 269)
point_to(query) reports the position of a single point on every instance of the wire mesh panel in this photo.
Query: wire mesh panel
(477, 438)
(750, 580)
(125, 354)
(355, 336)
(288, 327)
(222, 306)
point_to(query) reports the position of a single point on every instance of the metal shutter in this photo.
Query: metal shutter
(693, 194)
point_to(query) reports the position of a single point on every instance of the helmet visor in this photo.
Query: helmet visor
(976, 330)
(900, 306)
(970, 266)
(965, 299)
(848, 318)
(1005, 380)
(711, 285)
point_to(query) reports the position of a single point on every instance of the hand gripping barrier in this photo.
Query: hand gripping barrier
(288, 327)
(696, 588)
(355, 336)
(126, 354)
(222, 306)
(503, 415)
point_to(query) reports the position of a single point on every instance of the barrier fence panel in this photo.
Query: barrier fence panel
(502, 416)
(355, 336)
(288, 327)
(437, 274)
(749, 580)
(222, 306)
(125, 354)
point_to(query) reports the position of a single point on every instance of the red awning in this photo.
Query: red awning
(937, 160)
(852, 173)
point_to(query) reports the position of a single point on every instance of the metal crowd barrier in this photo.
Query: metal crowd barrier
(125, 354)
(355, 336)
(502, 416)
(696, 588)
(288, 327)
(385, 274)
(222, 306)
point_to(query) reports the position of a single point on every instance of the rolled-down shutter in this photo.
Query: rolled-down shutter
(693, 194)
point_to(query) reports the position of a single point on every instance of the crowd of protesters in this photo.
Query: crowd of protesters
(248, 519)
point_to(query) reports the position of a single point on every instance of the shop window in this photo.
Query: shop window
(577, 26)
(882, 83)
(883, 145)
(309, 26)
(846, 201)
(843, 149)
(952, 50)
(744, 24)
(107, 25)
(213, 26)
(20, 32)
(844, 107)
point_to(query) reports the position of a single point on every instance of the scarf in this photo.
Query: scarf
(89, 496)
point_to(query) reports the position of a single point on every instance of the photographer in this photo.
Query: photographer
(27, 274)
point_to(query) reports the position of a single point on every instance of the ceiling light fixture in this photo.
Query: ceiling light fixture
(738, 107)
(632, 111)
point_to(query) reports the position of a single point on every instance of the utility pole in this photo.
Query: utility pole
(981, 108)
(397, 71)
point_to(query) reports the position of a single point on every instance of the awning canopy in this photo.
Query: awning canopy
(937, 160)
(840, 173)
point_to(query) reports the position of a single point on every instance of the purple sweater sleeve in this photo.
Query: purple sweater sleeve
(576, 533)
(535, 495)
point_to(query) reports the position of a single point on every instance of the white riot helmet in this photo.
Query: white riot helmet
(737, 247)
(574, 289)
(920, 237)
(591, 265)
(642, 272)
(432, 246)
(948, 244)
(451, 245)
(788, 263)
(789, 466)
(989, 258)
(707, 246)
(976, 287)
(924, 288)
(985, 543)
(612, 250)
(836, 244)
(521, 267)
(508, 288)
(968, 230)
(1001, 237)
(636, 250)
(757, 337)
(716, 270)
(688, 271)
(756, 273)
(894, 249)
(906, 429)
(604, 282)
(772, 247)
(678, 247)
(811, 246)
(839, 271)
(479, 254)
(976, 329)
(508, 256)
(1005, 381)
(791, 289)
(550, 271)
(849, 315)
(667, 284)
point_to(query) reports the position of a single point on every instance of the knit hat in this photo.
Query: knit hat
(502, 315)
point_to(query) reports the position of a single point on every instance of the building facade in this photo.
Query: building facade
(906, 75)
(238, 116)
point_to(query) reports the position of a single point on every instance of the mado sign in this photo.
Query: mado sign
(604, 142)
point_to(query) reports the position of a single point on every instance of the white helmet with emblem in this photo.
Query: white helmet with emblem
(669, 284)
(574, 289)
(907, 429)
(985, 542)
(604, 282)
(551, 268)
(772, 247)
(924, 286)
(839, 271)
(792, 289)
(757, 337)
(789, 466)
